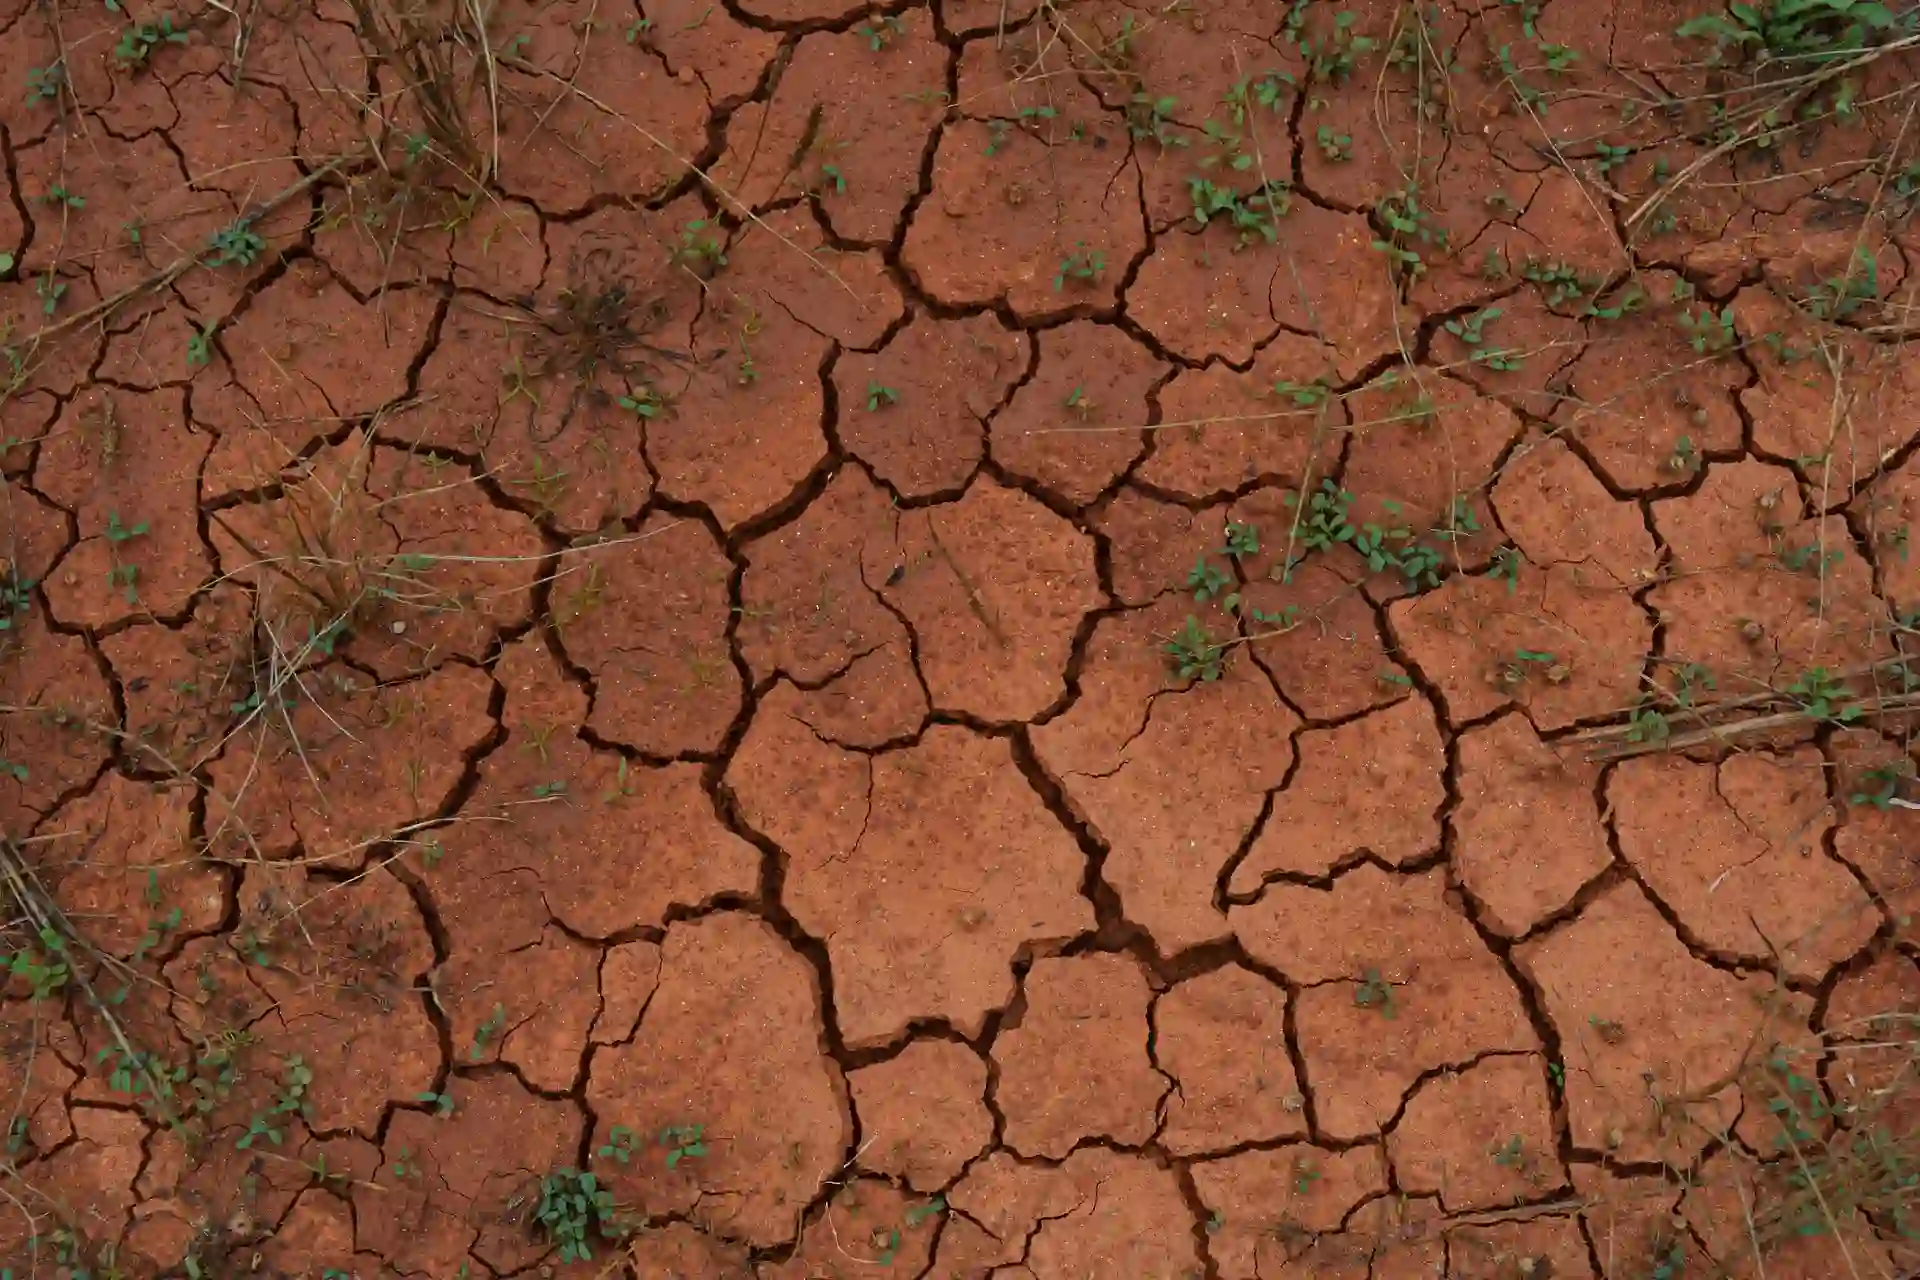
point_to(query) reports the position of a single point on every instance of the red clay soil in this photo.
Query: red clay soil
(977, 641)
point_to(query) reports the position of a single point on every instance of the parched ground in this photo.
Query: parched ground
(967, 639)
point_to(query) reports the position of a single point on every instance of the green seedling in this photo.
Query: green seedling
(1251, 216)
(43, 967)
(1082, 266)
(45, 83)
(1611, 157)
(1822, 696)
(1332, 58)
(57, 194)
(1150, 118)
(619, 1145)
(683, 1142)
(1709, 332)
(1880, 786)
(1685, 459)
(1648, 726)
(1610, 1030)
(139, 41)
(49, 291)
(1208, 581)
(442, 1103)
(1079, 401)
(485, 1033)
(1506, 565)
(1333, 145)
(1304, 395)
(1193, 654)
(1841, 296)
(1242, 540)
(1803, 31)
(116, 532)
(881, 32)
(698, 249)
(1409, 229)
(235, 245)
(880, 396)
(644, 402)
(574, 1211)
(1374, 992)
(833, 179)
(1511, 1154)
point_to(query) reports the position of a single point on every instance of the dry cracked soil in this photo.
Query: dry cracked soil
(1049, 639)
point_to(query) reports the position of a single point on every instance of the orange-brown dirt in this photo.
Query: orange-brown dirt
(964, 639)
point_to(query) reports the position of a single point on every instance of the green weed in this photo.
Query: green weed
(1193, 654)
(1797, 30)
(139, 41)
(1082, 267)
(575, 1211)
(237, 244)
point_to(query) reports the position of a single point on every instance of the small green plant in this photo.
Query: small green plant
(1840, 296)
(1822, 696)
(1470, 330)
(1324, 523)
(1611, 157)
(291, 1101)
(698, 249)
(1332, 57)
(1242, 540)
(117, 533)
(1647, 725)
(1559, 282)
(1685, 459)
(1798, 30)
(45, 83)
(683, 1142)
(1081, 266)
(58, 194)
(1152, 118)
(485, 1033)
(1408, 230)
(1193, 654)
(1208, 581)
(1374, 992)
(1511, 1154)
(1253, 216)
(1304, 395)
(619, 1145)
(43, 967)
(49, 291)
(1709, 332)
(442, 1103)
(881, 32)
(1506, 565)
(1880, 786)
(879, 396)
(644, 402)
(200, 344)
(575, 1211)
(1333, 145)
(236, 244)
(139, 41)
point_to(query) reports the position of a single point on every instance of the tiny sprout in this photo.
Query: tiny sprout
(878, 396)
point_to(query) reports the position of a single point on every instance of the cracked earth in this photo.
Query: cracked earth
(683, 657)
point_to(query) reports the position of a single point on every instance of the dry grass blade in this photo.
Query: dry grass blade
(429, 47)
